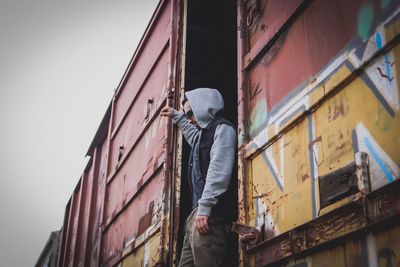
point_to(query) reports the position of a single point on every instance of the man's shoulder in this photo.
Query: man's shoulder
(223, 121)
(225, 130)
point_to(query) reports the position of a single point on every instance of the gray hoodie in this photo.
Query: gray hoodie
(206, 103)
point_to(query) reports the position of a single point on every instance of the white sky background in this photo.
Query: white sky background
(60, 62)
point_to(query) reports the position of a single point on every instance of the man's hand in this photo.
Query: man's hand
(202, 224)
(166, 112)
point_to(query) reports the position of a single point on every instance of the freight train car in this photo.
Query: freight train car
(320, 131)
(313, 87)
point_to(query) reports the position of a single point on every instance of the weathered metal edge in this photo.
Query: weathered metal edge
(371, 204)
(133, 245)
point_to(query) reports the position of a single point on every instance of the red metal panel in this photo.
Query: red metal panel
(81, 229)
(72, 228)
(143, 211)
(143, 64)
(64, 231)
(88, 185)
(307, 47)
(82, 222)
(279, 64)
(141, 163)
(139, 116)
(91, 207)
(101, 164)
(135, 195)
(125, 189)
(265, 18)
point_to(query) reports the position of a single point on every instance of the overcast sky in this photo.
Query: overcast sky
(60, 62)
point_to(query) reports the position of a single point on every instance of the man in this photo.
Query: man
(213, 140)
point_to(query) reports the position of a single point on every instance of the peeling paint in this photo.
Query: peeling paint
(311, 127)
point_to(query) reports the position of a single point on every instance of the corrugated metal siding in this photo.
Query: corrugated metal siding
(135, 190)
(81, 230)
(72, 228)
(100, 161)
(319, 83)
(119, 212)
(82, 222)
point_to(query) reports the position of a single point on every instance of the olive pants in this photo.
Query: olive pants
(203, 250)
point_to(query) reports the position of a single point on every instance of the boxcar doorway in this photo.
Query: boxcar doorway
(210, 61)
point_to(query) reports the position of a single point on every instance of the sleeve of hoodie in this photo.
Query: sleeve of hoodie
(219, 173)
(189, 131)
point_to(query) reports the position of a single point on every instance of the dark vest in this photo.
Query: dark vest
(225, 209)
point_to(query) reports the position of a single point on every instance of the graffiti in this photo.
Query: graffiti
(388, 64)
(265, 217)
(385, 3)
(382, 168)
(146, 255)
(384, 75)
(254, 91)
(313, 148)
(338, 109)
(254, 18)
(381, 76)
(347, 125)
(365, 19)
(258, 116)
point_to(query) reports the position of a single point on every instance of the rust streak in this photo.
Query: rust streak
(145, 221)
(267, 194)
(318, 139)
(254, 91)
(336, 110)
(305, 177)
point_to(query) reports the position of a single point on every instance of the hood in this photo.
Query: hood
(205, 103)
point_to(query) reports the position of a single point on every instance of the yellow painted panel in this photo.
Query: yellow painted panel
(346, 120)
(355, 119)
(147, 254)
(333, 130)
(135, 259)
(329, 84)
(281, 189)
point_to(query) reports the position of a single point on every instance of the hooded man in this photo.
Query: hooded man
(213, 140)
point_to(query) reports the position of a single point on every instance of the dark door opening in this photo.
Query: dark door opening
(211, 61)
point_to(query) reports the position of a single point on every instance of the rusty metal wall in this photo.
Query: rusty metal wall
(136, 211)
(119, 213)
(318, 92)
(70, 229)
(81, 233)
(100, 165)
(81, 229)
(377, 248)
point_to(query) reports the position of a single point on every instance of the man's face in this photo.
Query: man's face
(188, 110)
